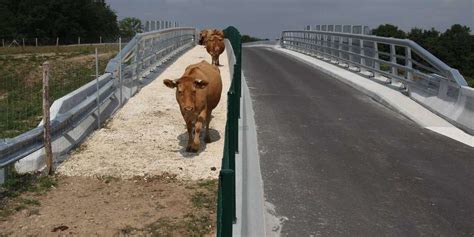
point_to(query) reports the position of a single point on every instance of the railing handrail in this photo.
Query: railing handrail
(451, 73)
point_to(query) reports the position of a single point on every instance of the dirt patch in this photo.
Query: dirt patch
(148, 135)
(107, 206)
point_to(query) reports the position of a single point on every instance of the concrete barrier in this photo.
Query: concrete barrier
(451, 102)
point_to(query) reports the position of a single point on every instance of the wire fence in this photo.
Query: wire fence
(56, 41)
(21, 80)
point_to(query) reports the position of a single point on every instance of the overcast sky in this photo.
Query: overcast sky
(267, 18)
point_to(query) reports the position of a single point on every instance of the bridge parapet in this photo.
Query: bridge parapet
(398, 62)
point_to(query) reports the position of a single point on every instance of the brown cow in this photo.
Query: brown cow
(203, 35)
(215, 47)
(198, 92)
(218, 32)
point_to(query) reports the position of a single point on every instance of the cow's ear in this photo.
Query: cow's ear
(201, 84)
(170, 83)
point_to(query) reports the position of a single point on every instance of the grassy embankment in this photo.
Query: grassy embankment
(21, 80)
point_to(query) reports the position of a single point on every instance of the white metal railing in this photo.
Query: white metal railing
(427, 79)
(399, 59)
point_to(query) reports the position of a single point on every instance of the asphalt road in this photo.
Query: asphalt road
(336, 163)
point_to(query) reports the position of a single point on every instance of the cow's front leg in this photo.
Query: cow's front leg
(197, 131)
(207, 138)
(189, 126)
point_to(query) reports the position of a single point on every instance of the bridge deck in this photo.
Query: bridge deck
(336, 163)
(148, 135)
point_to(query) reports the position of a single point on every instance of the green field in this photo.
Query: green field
(21, 80)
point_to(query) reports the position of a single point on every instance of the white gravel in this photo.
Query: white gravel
(148, 135)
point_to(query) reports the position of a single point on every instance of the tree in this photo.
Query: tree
(456, 48)
(130, 26)
(248, 38)
(57, 18)
(428, 39)
(388, 30)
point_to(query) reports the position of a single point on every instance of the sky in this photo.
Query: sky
(267, 18)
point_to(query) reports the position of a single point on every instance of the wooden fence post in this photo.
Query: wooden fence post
(97, 86)
(46, 119)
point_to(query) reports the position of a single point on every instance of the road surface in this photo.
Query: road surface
(336, 163)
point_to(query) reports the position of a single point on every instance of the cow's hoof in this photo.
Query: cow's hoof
(192, 150)
(207, 139)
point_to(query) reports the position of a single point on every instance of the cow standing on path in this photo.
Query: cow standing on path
(215, 47)
(198, 92)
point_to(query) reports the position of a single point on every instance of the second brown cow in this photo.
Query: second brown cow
(215, 47)
(198, 93)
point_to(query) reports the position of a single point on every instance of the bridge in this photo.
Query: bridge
(328, 132)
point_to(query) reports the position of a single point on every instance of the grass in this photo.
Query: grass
(198, 221)
(12, 193)
(21, 80)
(470, 81)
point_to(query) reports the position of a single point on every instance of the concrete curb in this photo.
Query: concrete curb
(250, 204)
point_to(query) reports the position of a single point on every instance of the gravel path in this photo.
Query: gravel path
(148, 135)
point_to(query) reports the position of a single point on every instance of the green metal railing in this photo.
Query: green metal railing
(226, 213)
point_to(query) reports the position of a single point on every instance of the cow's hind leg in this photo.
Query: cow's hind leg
(207, 139)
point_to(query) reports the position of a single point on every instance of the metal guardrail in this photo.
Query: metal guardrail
(402, 62)
(351, 29)
(402, 59)
(226, 201)
(139, 57)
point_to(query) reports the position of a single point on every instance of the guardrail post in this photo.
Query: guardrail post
(46, 119)
(351, 57)
(376, 58)
(228, 201)
(393, 59)
(408, 63)
(362, 53)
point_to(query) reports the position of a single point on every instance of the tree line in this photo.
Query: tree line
(66, 19)
(455, 46)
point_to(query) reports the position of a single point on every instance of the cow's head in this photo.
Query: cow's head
(202, 37)
(186, 90)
